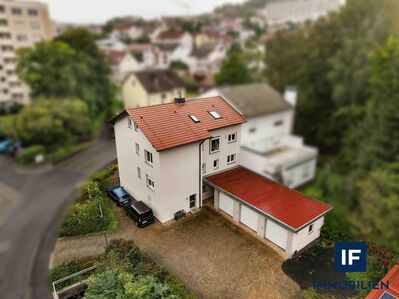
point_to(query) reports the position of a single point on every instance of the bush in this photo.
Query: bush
(84, 217)
(27, 156)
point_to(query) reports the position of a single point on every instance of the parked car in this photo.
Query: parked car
(119, 195)
(140, 213)
(5, 146)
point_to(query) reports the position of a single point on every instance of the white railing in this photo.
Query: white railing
(55, 292)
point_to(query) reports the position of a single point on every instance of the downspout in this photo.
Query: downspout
(200, 175)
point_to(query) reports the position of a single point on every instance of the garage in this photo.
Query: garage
(226, 204)
(249, 217)
(291, 219)
(276, 233)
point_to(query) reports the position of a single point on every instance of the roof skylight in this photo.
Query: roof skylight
(214, 114)
(194, 118)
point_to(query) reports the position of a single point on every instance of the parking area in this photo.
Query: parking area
(209, 254)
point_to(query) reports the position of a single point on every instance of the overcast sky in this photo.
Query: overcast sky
(96, 11)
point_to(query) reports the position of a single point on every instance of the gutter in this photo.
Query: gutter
(200, 174)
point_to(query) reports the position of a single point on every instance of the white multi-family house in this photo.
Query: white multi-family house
(126, 31)
(175, 156)
(109, 44)
(149, 55)
(176, 44)
(173, 52)
(268, 146)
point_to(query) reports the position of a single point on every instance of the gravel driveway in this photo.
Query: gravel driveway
(210, 255)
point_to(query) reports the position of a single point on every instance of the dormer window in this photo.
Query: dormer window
(194, 118)
(214, 114)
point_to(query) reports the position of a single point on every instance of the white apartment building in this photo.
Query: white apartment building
(279, 13)
(22, 24)
(268, 146)
(174, 156)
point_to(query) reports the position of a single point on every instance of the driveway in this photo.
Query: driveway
(35, 204)
(210, 255)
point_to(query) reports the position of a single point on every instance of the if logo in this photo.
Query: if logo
(350, 256)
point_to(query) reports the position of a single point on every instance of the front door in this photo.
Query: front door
(193, 200)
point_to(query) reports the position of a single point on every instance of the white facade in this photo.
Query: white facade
(177, 173)
(127, 65)
(265, 227)
(208, 64)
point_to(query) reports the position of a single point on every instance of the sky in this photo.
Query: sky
(98, 11)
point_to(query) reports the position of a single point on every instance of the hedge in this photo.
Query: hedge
(27, 156)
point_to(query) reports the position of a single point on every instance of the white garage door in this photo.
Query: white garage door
(276, 233)
(226, 204)
(249, 217)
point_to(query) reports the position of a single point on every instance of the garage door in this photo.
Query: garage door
(249, 217)
(226, 204)
(276, 233)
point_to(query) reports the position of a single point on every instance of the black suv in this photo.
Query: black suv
(140, 213)
(119, 195)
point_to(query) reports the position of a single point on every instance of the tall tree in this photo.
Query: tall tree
(234, 69)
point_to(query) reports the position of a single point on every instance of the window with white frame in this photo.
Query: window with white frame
(129, 122)
(150, 183)
(232, 137)
(278, 123)
(148, 157)
(310, 229)
(194, 118)
(216, 164)
(139, 172)
(214, 145)
(231, 158)
(252, 130)
(136, 127)
(137, 148)
(203, 168)
(214, 114)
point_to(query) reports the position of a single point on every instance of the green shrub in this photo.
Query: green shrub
(84, 217)
(27, 156)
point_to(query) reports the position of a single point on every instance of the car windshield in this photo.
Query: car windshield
(120, 192)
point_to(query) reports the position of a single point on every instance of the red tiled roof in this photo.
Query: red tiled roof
(393, 277)
(170, 34)
(169, 125)
(115, 56)
(285, 205)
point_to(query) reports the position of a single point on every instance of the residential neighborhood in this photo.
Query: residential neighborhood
(213, 149)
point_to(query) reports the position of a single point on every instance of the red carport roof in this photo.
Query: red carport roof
(169, 125)
(393, 277)
(283, 204)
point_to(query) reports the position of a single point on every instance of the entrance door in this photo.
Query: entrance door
(193, 199)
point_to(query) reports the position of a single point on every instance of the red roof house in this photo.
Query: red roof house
(392, 279)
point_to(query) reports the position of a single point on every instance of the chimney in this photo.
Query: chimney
(291, 95)
(179, 99)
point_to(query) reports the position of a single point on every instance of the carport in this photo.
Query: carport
(281, 215)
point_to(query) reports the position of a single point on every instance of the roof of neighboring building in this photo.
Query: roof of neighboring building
(393, 277)
(255, 99)
(115, 57)
(204, 50)
(169, 125)
(170, 34)
(139, 47)
(167, 47)
(158, 80)
(122, 26)
(287, 206)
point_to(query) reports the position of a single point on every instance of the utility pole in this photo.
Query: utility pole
(102, 220)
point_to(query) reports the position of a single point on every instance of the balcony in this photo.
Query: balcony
(5, 42)
(4, 29)
(8, 54)
(13, 79)
(9, 66)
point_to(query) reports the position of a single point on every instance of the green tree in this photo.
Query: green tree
(233, 70)
(51, 125)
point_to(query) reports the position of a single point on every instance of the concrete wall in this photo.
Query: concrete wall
(180, 178)
(303, 237)
(299, 175)
(226, 149)
(263, 127)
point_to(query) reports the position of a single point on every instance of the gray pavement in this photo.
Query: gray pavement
(32, 208)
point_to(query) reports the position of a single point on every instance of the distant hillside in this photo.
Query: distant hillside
(247, 8)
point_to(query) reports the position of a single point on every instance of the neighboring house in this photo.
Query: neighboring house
(279, 14)
(126, 31)
(175, 37)
(150, 87)
(149, 55)
(110, 45)
(174, 156)
(122, 63)
(382, 292)
(173, 52)
(207, 58)
(268, 146)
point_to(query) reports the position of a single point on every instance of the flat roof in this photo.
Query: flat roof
(293, 209)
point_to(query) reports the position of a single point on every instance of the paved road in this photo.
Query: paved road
(28, 235)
